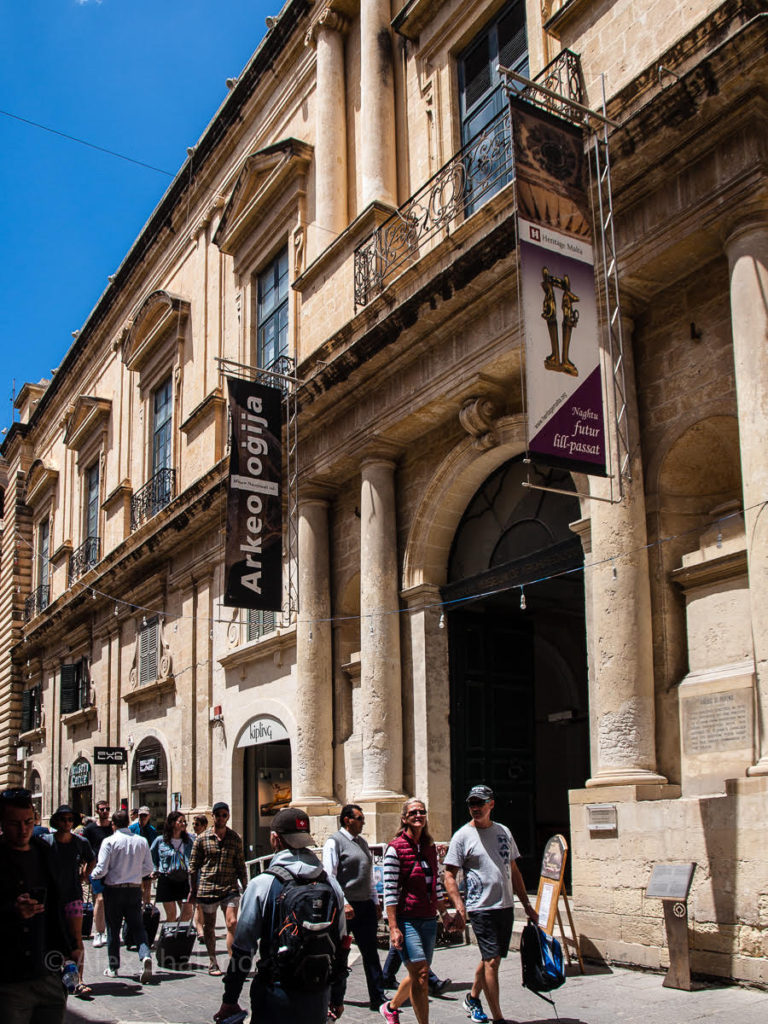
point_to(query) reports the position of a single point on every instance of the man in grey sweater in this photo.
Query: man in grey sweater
(346, 858)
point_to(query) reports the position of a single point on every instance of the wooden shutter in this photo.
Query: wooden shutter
(70, 687)
(27, 710)
(148, 653)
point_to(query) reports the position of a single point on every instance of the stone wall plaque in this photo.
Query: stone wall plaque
(717, 721)
(671, 881)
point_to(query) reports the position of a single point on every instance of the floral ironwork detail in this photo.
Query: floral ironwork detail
(152, 497)
(562, 76)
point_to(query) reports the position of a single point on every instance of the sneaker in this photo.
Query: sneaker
(99, 939)
(474, 1009)
(146, 970)
(109, 973)
(439, 986)
(390, 1015)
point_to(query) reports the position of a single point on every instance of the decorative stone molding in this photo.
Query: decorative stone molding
(160, 316)
(40, 481)
(477, 417)
(80, 716)
(150, 691)
(88, 416)
(329, 19)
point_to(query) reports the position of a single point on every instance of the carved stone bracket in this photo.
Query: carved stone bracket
(477, 416)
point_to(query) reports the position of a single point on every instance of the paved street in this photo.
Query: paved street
(602, 996)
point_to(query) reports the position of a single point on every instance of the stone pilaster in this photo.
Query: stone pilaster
(380, 633)
(313, 753)
(377, 102)
(621, 693)
(747, 251)
(327, 36)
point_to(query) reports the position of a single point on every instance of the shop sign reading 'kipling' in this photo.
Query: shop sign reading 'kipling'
(263, 730)
(254, 571)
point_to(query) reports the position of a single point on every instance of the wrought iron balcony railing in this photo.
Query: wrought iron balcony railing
(37, 602)
(478, 169)
(562, 76)
(158, 492)
(84, 558)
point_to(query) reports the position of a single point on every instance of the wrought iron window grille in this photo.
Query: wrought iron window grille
(150, 499)
(37, 601)
(84, 558)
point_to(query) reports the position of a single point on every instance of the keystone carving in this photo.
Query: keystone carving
(477, 416)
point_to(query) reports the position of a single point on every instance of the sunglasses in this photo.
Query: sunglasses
(477, 803)
(416, 814)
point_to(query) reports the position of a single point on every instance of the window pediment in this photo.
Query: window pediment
(261, 186)
(161, 316)
(40, 480)
(88, 415)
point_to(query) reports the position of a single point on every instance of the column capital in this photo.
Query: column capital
(382, 451)
(315, 491)
(329, 19)
(749, 223)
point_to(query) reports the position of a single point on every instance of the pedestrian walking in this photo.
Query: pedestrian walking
(199, 825)
(74, 860)
(143, 826)
(487, 853)
(124, 863)
(170, 855)
(216, 866)
(296, 992)
(34, 942)
(412, 896)
(96, 833)
(347, 858)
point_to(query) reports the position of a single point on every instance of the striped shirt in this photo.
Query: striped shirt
(391, 872)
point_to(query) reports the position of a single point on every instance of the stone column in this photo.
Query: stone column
(380, 633)
(377, 103)
(312, 760)
(747, 250)
(327, 36)
(621, 693)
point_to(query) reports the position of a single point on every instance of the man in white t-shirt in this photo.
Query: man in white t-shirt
(487, 853)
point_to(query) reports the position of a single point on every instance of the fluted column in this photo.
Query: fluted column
(327, 36)
(621, 695)
(747, 250)
(377, 103)
(313, 757)
(380, 633)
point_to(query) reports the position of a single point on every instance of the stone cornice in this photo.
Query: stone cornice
(728, 567)
(213, 404)
(40, 479)
(88, 415)
(161, 316)
(274, 644)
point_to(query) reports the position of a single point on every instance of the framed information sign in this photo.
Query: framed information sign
(551, 891)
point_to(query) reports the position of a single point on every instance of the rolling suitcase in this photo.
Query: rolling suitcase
(151, 917)
(174, 946)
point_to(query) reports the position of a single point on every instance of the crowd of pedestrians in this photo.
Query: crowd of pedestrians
(301, 947)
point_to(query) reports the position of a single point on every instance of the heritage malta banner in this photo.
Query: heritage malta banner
(566, 424)
(254, 564)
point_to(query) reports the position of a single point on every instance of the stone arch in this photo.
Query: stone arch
(450, 490)
(151, 733)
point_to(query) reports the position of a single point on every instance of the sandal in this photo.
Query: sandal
(215, 971)
(83, 991)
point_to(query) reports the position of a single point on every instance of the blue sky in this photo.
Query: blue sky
(141, 77)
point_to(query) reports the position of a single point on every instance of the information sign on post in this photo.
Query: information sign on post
(672, 883)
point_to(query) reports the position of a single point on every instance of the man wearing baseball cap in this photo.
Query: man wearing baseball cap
(488, 854)
(270, 1002)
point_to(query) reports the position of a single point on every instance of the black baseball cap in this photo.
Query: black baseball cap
(293, 825)
(220, 806)
(480, 793)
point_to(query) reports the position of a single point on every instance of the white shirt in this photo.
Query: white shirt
(331, 861)
(124, 859)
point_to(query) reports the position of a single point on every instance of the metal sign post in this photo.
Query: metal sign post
(672, 883)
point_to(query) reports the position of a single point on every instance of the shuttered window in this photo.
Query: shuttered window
(31, 708)
(75, 687)
(260, 623)
(148, 652)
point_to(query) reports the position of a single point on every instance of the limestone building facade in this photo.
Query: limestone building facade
(595, 650)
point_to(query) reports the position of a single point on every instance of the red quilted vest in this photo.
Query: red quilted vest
(417, 898)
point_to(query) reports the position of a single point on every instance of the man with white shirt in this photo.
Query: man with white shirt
(124, 862)
(346, 858)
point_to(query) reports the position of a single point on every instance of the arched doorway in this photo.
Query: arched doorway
(150, 780)
(35, 786)
(518, 662)
(81, 787)
(266, 751)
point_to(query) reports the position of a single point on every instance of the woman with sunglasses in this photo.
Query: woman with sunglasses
(412, 894)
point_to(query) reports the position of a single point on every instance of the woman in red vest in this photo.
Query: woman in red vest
(412, 895)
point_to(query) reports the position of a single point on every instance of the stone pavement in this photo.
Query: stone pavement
(604, 995)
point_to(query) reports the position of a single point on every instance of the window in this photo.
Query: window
(75, 687)
(43, 556)
(260, 623)
(503, 42)
(149, 649)
(32, 708)
(272, 312)
(92, 502)
(162, 415)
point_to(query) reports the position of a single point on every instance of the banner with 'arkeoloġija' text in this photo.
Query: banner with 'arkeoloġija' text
(253, 563)
(564, 389)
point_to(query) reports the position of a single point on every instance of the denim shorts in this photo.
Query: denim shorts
(419, 934)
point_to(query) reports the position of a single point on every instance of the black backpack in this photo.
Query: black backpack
(542, 961)
(304, 942)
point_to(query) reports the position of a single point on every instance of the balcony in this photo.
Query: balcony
(84, 558)
(37, 602)
(158, 492)
(478, 170)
